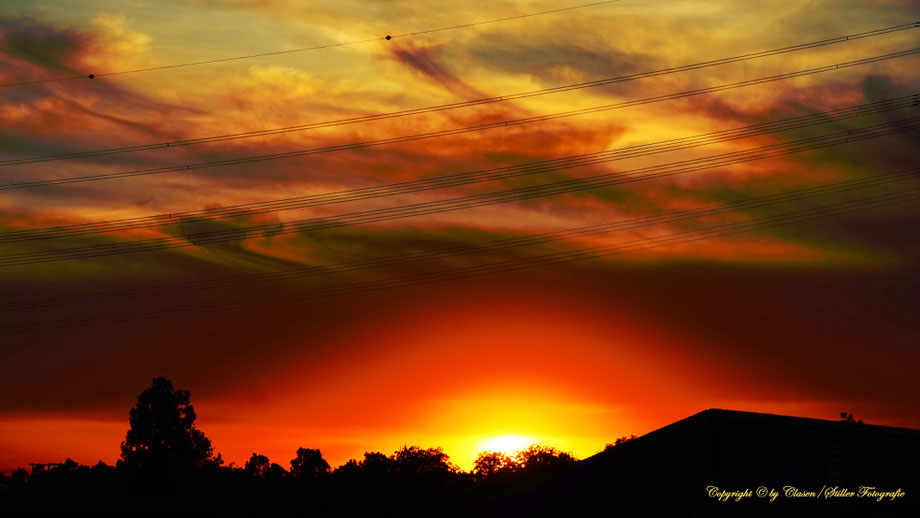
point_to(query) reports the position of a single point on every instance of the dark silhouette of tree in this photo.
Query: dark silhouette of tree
(493, 463)
(275, 473)
(538, 456)
(309, 464)
(624, 439)
(536, 460)
(72, 476)
(376, 463)
(349, 470)
(257, 465)
(162, 447)
(102, 466)
(103, 476)
(848, 418)
(417, 461)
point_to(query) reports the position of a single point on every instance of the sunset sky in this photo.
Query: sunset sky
(810, 318)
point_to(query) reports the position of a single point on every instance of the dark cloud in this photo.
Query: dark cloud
(880, 87)
(425, 62)
(48, 47)
(551, 58)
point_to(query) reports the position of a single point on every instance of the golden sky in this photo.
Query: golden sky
(810, 318)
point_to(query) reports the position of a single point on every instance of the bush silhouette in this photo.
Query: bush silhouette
(848, 418)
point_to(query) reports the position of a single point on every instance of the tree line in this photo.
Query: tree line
(163, 452)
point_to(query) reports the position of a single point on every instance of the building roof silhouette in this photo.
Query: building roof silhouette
(687, 465)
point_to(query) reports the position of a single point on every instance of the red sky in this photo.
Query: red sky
(809, 319)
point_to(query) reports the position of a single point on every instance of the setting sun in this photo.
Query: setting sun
(506, 443)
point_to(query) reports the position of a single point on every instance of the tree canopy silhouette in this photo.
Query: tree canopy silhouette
(413, 460)
(535, 459)
(539, 456)
(376, 463)
(257, 466)
(162, 447)
(309, 464)
(492, 463)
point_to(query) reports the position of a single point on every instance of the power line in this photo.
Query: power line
(491, 246)
(509, 18)
(456, 131)
(306, 49)
(463, 104)
(582, 254)
(453, 180)
(453, 204)
(466, 202)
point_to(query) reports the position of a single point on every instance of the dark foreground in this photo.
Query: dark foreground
(714, 464)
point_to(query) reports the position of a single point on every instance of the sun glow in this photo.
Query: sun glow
(506, 443)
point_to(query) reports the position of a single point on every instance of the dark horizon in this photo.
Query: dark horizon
(355, 226)
(713, 460)
(843, 418)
